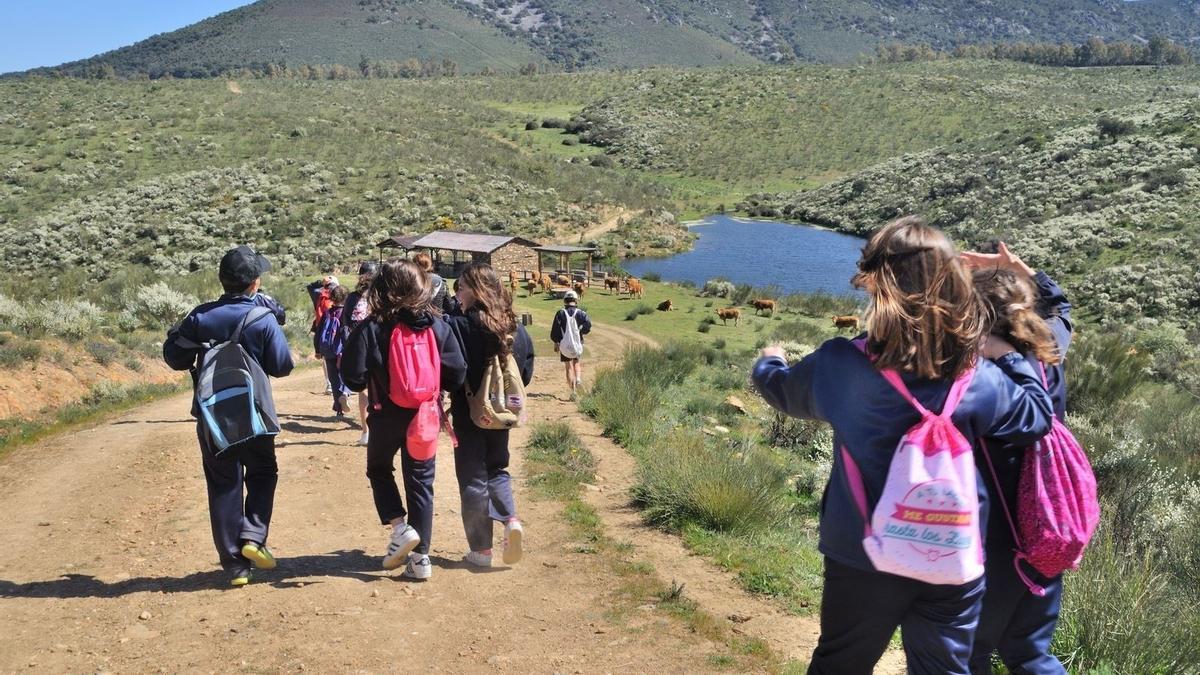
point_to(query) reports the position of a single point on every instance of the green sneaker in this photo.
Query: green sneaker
(241, 577)
(258, 555)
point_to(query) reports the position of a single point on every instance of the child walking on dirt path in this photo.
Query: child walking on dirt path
(487, 328)
(239, 524)
(570, 325)
(400, 299)
(318, 292)
(331, 341)
(925, 323)
(1031, 313)
(357, 310)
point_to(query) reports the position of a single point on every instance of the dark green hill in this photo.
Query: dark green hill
(506, 35)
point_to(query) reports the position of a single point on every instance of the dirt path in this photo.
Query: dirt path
(108, 564)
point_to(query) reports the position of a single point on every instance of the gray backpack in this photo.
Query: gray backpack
(233, 393)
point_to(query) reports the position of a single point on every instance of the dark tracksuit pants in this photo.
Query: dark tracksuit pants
(1016, 623)
(336, 384)
(861, 609)
(236, 517)
(389, 431)
(484, 485)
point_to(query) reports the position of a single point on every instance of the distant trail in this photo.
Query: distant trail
(108, 524)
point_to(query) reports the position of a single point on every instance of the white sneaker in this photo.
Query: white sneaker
(513, 534)
(328, 388)
(478, 559)
(362, 440)
(344, 404)
(402, 542)
(418, 567)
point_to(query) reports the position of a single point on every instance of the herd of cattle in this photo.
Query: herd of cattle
(548, 283)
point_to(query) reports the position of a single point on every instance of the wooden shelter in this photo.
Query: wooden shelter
(564, 254)
(505, 253)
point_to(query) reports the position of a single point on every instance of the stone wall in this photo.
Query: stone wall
(514, 256)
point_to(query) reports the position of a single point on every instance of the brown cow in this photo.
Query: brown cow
(535, 277)
(727, 313)
(579, 286)
(841, 322)
(531, 287)
(665, 306)
(547, 283)
(612, 284)
(512, 279)
(634, 287)
(763, 305)
(562, 280)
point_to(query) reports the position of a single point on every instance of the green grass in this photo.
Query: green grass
(676, 325)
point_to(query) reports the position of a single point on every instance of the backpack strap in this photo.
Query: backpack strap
(253, 316)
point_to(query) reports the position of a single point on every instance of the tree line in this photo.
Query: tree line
(1157, 51)
(367, 69)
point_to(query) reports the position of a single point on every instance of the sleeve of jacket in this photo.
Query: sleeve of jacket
(277, 353)
(585, 323)
(789, 389)
(454, 363)
(177, 356)
(1056, 308)
(523, 350)
(1023, 412)
(353, 365)
(557, 327)
(263, 300)
(314, 289)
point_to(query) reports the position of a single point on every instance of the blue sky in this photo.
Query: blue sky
(43, 33)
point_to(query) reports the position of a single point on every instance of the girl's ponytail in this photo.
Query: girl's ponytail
(1013, 302)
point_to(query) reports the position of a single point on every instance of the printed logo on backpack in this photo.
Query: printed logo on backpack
(925, 525)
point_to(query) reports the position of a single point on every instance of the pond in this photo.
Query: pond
(795, 258)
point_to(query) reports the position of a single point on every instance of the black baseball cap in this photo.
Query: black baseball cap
(242, 266)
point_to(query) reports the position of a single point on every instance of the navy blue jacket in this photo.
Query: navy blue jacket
(478, 347)
(215, 322)
(838, 384)
(1007, 458)
(364, 363)
(560, 323)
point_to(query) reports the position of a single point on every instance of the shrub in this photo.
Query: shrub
(19, 354)
(1163, 177)
(72, 319)
(683, 479)
(602, 161)
(1103, 371)
(1112, 127)
(532, 125)
(554, 123)
(720, 288)
(652, 276)
(159, 306)
(622, 397)
(102, 352)
(641, 309)
(570, 140)
(705, 325)
(719, 343)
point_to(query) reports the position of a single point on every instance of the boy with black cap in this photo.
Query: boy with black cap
(570, 324)
(239, 527)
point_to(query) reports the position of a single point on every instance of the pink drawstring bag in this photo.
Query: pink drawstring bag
(926, 522)
(1057, 507)
(415, 374)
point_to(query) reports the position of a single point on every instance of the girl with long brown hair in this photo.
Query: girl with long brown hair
(399, 295)
(1029, 311)
(488, 327)
(925, 322)
(357, 310)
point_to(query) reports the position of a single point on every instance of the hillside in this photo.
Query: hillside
(506, 35)
(1108, 206)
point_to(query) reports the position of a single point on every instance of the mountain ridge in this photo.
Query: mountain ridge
(510, 35)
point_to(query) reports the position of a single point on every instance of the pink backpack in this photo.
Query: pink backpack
(926, 523)
(415, 374)
(1057, 508)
